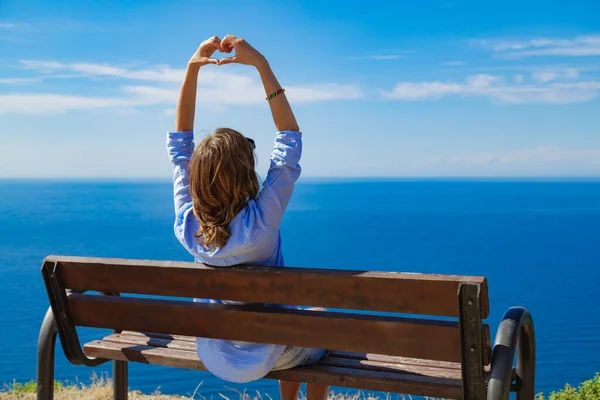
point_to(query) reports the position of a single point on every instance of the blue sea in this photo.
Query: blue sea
(538, 242)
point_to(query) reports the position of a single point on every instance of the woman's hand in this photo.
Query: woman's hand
(244, 53)
(205, 51)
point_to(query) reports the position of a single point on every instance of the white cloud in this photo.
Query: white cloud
(217, 85)
(539, 154)
(552, 75)
(222, 94)
(56, 103)
(322, 92)
(218, 88)
(578, 46)
(482, 81)
(528, 68)
(544, 76)
(15, 81)
(518, 78)
(571, 73)
(250, 93)
(495, 88)
(156, 74)
(8, 26)
(12, 39)
(423, 90)
(454, 63)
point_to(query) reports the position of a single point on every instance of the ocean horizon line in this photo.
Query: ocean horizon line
(322, 179)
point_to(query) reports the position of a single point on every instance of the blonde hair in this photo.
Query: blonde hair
(222, 180)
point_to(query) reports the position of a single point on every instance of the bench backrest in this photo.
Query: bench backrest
(463, 299)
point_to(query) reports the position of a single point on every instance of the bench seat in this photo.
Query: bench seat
(345, 369)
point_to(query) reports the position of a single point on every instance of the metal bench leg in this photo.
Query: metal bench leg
(515, 335)
(120, 378)
(45, 361)
(526, 363)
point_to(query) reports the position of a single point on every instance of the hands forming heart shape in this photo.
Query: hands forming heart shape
(244, 53)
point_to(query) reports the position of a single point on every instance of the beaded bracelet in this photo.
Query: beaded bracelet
(272, 95)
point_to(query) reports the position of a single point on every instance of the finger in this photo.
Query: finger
(212, 61)
(210, 41)
(228, 60)
(227, 42)
(215, 41)
(212, 44)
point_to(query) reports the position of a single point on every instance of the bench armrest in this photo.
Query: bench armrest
(71, 346)
(515, 334)
(58, 319)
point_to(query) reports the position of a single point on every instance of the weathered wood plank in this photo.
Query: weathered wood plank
(348, 354)
(398, 364)
(424, 294)
(144, 354)
(160, 336)
(392, 359)
(432, 371)
(366, 379)
(415, 338)
(151, 341)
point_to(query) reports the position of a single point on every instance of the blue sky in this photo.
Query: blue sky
(380, 88)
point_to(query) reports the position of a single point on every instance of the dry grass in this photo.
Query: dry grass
(101, 389)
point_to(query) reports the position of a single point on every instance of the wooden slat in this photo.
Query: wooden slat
(147, 337)
(367, 379)
(160, 336)
(486, 353)
(144, 354)
(396, 360)
(189, 343)
(398, 364)
(152, 342)
(423, 294)
(416, 338)
(391, 367)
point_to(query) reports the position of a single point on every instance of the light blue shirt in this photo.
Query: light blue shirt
(255, 239)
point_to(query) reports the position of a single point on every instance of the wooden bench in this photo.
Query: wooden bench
(447, 354)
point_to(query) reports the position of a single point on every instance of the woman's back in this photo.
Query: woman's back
(254, 230)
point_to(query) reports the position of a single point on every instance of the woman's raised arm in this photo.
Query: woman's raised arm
(186, 105)
(180, 144)
(245, 54)
(285, 169)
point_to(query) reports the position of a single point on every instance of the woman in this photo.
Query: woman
(223, 220)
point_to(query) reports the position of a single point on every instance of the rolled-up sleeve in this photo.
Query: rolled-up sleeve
(180, 146)
(283, 173)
